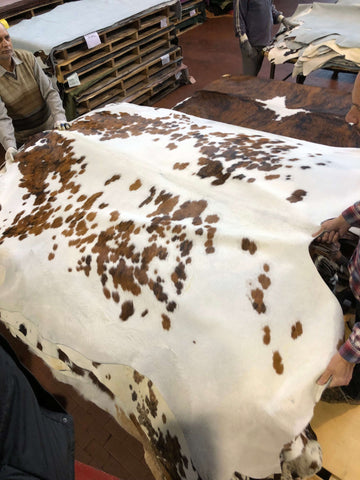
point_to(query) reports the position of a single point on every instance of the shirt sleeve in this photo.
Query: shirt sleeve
(350, 350)
(240, 8)
(352, 214)
(276, 14)
(50, 94)
(7, 132)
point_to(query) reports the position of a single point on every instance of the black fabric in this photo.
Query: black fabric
(353, 389)
(36, 434)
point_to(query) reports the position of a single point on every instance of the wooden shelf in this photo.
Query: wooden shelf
(137, 58)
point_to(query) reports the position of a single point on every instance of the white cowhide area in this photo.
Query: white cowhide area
(159, 262)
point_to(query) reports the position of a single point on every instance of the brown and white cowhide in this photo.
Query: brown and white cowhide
(159, 263)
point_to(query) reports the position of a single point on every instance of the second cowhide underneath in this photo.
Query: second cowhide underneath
(159, 263)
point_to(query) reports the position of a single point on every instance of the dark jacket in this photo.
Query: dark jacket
(36, 433)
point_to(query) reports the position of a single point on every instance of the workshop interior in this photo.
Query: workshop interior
(165, 286)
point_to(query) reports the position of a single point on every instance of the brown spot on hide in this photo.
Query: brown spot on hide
(296, 330)
(277, 363)
(90, 216)
(315, 466)
(166, 323)
(249, 246)
(127, 309)
(264, 280)
(136, 185)
(258, 303)
(180, 166)
(296, 196)
(116, 297)
(63, 357)
(166, 203)
(138, 378)
(57, 222)
(23, 329)
(171, 146)
(267, 335)
(112, 179)
(151, 400)
(212, 219)
(271, 177)
(114, 216)
(266, 267)
(190, 209)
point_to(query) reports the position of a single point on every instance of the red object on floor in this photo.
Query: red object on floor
(85, 472)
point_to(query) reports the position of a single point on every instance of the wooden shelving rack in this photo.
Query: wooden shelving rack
(193, 13)
(138, 60)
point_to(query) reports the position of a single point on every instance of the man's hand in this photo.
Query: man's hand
(340, 370)
(61, 125)
(288, 24)
(248, 49)
(10, 154)
(333, 229)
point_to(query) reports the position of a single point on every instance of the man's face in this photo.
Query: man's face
(6, 48)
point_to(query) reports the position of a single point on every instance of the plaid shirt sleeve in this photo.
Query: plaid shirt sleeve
(350, 351)
(352, 214)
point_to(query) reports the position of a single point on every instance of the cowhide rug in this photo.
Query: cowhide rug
(159, 263)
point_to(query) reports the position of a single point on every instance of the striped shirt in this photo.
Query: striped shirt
(350, 351)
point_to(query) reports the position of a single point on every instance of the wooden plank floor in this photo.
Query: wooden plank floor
(337, 427)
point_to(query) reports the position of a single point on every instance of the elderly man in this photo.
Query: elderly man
(28, 101)
(344, 367)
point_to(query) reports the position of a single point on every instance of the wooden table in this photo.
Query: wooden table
(235, 100)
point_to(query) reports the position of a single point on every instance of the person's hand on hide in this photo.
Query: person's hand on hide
(288, 24)
(61, 125)
(10, 154)
(339, 369)
(248, 49)
(331, 230)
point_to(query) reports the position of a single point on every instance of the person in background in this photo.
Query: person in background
(344, 366)
(29, 103)
(353, 115)
(253, 22)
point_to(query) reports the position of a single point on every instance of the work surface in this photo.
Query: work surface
(308, 113)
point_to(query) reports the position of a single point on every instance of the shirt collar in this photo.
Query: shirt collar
(16, 61)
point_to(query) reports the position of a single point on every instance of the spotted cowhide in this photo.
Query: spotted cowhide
(159, 263)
